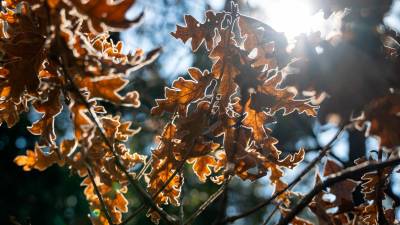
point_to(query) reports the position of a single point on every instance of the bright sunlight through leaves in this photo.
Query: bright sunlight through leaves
(293, 17)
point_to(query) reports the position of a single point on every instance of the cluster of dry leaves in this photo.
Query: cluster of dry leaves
(219, 116)
(57, 53)
(52, 58)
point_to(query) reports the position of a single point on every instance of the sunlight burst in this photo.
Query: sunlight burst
(293, 17)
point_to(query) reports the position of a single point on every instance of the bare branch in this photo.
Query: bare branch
(379, 193)
(143, 170)
(350, 172)
(134, 214)
(181, 210)
(99, 196)
(210, 200)
(271, 215)
(309, 168)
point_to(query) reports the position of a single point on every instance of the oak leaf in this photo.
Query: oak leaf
(104, 14)
(107, 88)
(50, 109)
(342, 190)
(201, 166)
(183, 92)
(200, 32)
(383, 113)
(36, 159)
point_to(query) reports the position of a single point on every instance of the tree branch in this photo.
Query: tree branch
(210, 200)
(350, 172)
(146, 198)
(182, 163)
(134, 214)
(144, 195)
(222, 207)
(379, 193)
(272, 214)
(99, 196)
(309, 168)
(181, 209)
(143, 170)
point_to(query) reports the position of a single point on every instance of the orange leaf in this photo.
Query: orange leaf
(201, 166)
(110, 13)
(183, 93)
(200, 32)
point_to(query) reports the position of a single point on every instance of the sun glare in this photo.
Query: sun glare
(293, 17)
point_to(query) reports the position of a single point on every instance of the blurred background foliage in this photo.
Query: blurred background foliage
(55, 196)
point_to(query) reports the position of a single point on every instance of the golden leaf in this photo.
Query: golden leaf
(200, 32)
(183, 93)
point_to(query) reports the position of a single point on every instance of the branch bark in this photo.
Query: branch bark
(350, 172)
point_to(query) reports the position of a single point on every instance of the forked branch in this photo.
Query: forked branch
(348, 173)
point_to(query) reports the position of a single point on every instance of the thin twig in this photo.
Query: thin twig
(319, 147)
(272, 214)
(134, 214)
(379, 194)
(222, 207)
(181, 210)
(350, 172)
(177, 170)
(182, 163)
(337, 158)
(210, 200)
(143, 170)
(99, 196)
(309, 168)
(143, 194)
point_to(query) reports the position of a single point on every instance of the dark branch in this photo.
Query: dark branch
(210, 200)
(350, 172)
(146, 198)
(99, 196)
(271, 215)
(379, 193)
(309, 168)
